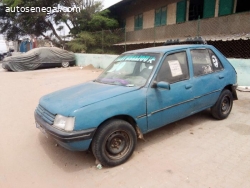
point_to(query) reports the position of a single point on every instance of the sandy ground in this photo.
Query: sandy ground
(195, 152)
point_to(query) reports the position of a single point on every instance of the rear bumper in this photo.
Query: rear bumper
(75, 140)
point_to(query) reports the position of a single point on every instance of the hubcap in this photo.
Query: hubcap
(65, 64)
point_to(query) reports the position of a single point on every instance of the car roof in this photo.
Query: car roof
(164, 49)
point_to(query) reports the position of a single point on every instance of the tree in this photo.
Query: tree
(18, 22)
(96, 33)
(88, 18)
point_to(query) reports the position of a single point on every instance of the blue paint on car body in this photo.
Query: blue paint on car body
(128, 89)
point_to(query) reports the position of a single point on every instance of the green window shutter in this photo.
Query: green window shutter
(157, 17)
(181, 11)
(209, 8)
(140, 21)
(164, 16)
(136, 22)
(226, 7)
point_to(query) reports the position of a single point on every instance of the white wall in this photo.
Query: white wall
(97, 60)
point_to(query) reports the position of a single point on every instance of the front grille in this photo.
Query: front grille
(45, 115)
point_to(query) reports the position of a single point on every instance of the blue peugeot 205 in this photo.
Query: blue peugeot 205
(139, 92)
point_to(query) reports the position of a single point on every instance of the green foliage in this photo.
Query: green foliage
(101, 21)
(18, 23)
(94, 42)
(77, 47)
(86, 26)
(81, 42)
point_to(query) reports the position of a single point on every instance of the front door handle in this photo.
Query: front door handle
(188, 86)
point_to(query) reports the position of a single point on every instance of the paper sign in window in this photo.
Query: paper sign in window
(175, 68)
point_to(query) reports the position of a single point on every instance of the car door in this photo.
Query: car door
(167, 105)
(208, 77)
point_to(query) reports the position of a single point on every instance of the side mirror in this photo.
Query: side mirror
(163, 85)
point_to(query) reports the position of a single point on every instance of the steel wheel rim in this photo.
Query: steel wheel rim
(117, 144)
(225, 105)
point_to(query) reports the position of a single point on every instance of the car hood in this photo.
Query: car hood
(66, 101)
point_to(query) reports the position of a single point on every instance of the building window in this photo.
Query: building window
(181, 11)
(226, 7)
(242, 6)
(201, 9)
(123, 24)
(196, 9)
(138, 22)
(161, 16)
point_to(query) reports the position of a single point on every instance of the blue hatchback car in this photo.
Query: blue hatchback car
(140, 91)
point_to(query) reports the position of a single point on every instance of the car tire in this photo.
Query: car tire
(114, 142)
(65, 64)
(223, 106)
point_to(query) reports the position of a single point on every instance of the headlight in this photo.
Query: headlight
(65, 123)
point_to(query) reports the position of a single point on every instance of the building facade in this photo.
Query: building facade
(153, 22)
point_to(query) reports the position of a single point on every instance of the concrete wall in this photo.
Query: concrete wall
(242, 66)
(140, 6)
(216, 27)
(148, 19)
(148, 10)
(130, 23)
(171, 13)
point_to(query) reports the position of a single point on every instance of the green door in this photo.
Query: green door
(226, 7)
(181, 11)
(209, 8)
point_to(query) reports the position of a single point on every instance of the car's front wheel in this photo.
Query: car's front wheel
(223, 106)
(114, 142)
(65, 64)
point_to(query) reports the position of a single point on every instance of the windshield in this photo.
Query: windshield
(130, 69)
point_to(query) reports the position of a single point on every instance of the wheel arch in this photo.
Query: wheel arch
(128, 119)
(232, 88)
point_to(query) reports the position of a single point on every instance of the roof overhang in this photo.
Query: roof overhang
(243, 36)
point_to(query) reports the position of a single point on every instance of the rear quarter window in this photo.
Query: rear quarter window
(217, 65)
(205, 62)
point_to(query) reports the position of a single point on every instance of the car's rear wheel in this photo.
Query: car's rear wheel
(114, 142)
(65, 64)
(223, 106)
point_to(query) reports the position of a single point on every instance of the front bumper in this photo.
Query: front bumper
(68, 140)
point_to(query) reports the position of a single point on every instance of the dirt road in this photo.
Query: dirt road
(195, 152)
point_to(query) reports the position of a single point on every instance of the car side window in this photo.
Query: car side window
(174, 68)
(217, 66)
(202, 63)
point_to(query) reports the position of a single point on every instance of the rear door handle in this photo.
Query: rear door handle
(188, 86)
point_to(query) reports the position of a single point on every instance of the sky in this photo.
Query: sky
(108, 3)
